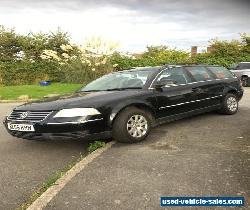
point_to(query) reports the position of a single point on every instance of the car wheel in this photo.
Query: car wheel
(245, 81)
(229, 104)
(132, 125)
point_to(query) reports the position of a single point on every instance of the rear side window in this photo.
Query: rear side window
(199, 73)
(242, 66)
(221, 72)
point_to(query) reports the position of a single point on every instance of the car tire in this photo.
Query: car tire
(132, 125)
(245, 81)
(229, 104)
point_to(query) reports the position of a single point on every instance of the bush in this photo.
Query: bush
(225, 53)
(154, 56)
(25, 72)
(35, 57)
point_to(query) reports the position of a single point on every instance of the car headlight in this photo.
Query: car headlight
(77, 112)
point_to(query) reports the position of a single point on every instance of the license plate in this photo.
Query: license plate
(20, 127)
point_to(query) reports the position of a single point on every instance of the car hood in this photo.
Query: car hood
(81, 99)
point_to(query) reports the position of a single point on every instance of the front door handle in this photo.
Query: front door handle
(197, 90)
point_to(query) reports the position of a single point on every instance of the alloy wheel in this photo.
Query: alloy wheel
(137, 126)
(232, 104)
(244, 82)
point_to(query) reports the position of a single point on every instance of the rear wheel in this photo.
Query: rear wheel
(132, 125)
(229, 104)
(245, 81)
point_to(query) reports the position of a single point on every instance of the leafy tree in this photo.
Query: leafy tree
(35, 44)
(154, 56)
(26, 59)
(246, 46)
(161, 55)
(225, 53)
(10, 45)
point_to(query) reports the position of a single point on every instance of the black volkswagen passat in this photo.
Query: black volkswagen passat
(125, 105)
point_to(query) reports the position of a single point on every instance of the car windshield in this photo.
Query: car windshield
(134, 79)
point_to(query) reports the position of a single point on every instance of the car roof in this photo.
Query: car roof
(193, 65)
(148, 68)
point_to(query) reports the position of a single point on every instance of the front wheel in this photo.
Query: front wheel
(229, 104)
(132, 125)
(245, 81)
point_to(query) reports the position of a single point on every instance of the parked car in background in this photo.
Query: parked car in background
(242, 71)
(125, 105)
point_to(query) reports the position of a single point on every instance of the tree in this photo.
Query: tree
(246, 46)
(10, 45)
(160, 55)
(35, 44)
(225, 53)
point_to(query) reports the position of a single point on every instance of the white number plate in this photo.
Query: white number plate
(20, 127)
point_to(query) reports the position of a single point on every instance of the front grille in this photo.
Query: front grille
(30, 116)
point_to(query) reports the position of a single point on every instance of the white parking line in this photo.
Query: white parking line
(51, 192)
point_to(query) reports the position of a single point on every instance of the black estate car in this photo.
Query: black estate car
(125, 105)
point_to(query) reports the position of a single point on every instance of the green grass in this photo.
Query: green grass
(95, 145)
(36, 91)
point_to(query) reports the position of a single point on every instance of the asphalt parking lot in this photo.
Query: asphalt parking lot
(26, 164)
(206, 155)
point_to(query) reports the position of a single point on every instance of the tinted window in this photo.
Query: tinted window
(125, 79)
(243, 66)
(199, 73)
(178, 75)
(221, 72)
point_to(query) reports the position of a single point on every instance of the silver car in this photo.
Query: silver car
(242, 71)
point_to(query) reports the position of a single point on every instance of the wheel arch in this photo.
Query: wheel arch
(231, 90)
(244, 76)
(245, 79)
(119, 108)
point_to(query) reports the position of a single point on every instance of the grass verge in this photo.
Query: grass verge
(52, 180)
(36, 91)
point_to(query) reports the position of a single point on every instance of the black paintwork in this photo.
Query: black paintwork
(165, 104)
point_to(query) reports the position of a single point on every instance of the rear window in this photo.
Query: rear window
(199, 73)
(241, 66)
(221, 72)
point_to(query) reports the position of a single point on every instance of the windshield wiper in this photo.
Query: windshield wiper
(111, 89)
(125, 88)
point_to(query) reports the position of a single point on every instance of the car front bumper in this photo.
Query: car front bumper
(64, 130)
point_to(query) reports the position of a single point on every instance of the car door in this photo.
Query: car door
(173, 99)
(207, 89)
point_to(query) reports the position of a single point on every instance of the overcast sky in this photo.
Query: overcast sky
(133, 23)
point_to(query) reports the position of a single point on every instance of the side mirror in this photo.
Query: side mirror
(164, 82)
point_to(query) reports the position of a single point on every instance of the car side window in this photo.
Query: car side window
(221, 72)
(177, 74)
(199, 73)
(242, 66)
